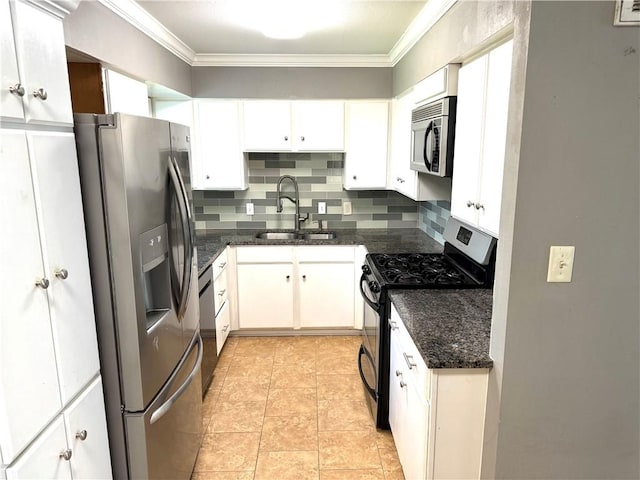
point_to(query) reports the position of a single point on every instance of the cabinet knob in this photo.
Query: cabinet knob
(470, 204)
(65, 454)
(43, 283)
(81, 435)
(17, 89)
(286, 139)
(302, 139)
(398, 373)
(479, 206)
(40, 93)
(288, 277)
(207, 177)
(62, 273)
(355, 178)
(304, 277)
(402, 384)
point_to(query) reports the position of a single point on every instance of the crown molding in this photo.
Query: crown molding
(137, 16)
(269, 60)
(58, 8)
(133, 13)
(433, 11)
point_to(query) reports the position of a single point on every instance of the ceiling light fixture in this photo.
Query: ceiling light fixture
(285, 19)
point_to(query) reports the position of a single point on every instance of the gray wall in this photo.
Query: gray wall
(465, 28)
(569, 353)
(96, 31)
(280, 82)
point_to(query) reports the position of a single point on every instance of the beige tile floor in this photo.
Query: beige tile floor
(284, 408)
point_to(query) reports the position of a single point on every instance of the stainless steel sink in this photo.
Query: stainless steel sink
(296, 235)
(277, 236)
(320, 236)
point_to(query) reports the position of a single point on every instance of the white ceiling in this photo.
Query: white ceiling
(201, 32)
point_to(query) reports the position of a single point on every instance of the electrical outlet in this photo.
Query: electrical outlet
(560, 264)
(346, 208)
(250, 210)
(322, 207)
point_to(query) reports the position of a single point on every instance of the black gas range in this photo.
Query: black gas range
(468, 261)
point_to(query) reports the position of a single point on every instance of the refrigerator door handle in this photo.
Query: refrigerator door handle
(166, 406)
(183, 207)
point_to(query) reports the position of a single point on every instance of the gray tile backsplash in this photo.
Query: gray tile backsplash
(319, 177)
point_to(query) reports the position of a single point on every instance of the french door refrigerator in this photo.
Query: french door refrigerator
(137, 198)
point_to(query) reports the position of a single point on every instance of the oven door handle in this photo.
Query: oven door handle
(371, 391)
(371, 303)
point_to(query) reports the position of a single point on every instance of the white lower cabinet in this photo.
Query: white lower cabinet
(436, 415)
(296, 287)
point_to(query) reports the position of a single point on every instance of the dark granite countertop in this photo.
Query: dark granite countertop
(393, 240)
(451, 328)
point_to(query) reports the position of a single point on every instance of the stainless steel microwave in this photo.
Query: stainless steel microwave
(432, 136)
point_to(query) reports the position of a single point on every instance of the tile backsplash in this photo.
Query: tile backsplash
(319, 177)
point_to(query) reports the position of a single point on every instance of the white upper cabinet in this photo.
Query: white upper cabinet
(219, 163)
(481, 129)
(301, 126)
(43, 85)
(401, 178)
(365, 162)
(11, 90)
(126, 95)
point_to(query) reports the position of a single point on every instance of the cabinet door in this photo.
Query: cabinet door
(267, 126)
(468, 142)
(401, 177)
(265, 296)
(219, 149)
(29, 392)
(397, 397)
(318, 126)
(10, 103)
(42, 459)
(327, 294)
(86, 427)
(43, 62)
(66, 259)
(366, 145)
(126, 95)
(495, 135)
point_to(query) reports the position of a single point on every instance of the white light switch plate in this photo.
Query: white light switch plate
(322, 207)
(346, 208)
(250, 210)
(560, 263)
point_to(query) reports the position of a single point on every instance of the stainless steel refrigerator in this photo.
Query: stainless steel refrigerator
(138, 212)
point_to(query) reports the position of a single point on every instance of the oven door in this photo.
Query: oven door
(368, 356)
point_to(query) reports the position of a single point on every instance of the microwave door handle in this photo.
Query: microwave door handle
(424, 148)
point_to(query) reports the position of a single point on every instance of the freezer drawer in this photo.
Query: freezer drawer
(164, 439)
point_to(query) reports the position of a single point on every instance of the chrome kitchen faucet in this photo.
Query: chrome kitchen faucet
(296, 201)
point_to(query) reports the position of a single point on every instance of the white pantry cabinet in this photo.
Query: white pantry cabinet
(436, 415)
(401, 178)
(365, 160)
(40, 94)
(219, 163)
(481, 129)
(293, 287)
(298, 126)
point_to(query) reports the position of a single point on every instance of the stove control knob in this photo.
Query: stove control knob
(366, 269)
(374, 286)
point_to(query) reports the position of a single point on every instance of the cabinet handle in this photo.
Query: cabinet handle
(398, 373)
(226, 327)
(43, 283)
(65, 454)
(402, 384)
(393, 325)
(470, 204)
(62, 273)
(81, 435)
(479, 206)
(221, 292)
(222, 265)
(17, 89)
(409, 360)
(40, 93)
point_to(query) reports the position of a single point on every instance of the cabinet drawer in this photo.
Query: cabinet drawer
(219, 264)
(413, 361)
(223, 326)
(264, 254)
(220, 290)
(325, 254)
